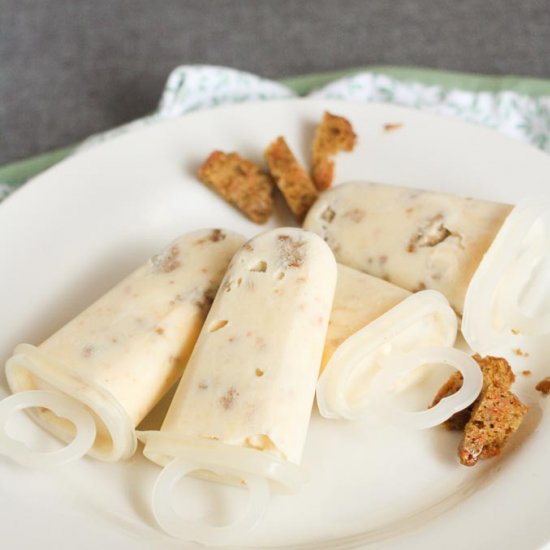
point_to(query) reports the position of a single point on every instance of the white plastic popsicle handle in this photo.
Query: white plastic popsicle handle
(395, 367)
(200, 531)
(62, 405)
(516, 264)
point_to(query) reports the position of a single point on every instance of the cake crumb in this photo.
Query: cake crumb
(544, 386)
(495, 415)
(520, 353)
(241, 183)
(334, 134)
(526, 372)
(291, 179)
(392, 126)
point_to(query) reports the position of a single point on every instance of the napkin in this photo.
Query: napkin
(189, 88)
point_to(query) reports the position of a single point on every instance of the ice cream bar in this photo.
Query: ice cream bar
(242, 409)
(373, 320)
(414, 239)
(359, 299)
(122, 354)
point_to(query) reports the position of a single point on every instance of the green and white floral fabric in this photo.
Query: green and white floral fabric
(189, 88)
(518, 116)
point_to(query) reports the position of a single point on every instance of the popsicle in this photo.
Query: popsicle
(414, 239)
(492, 262)
(241, 411)
(374, 322)
(115, 360)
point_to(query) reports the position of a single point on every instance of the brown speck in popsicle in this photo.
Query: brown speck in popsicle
(205, 301)
(260, 267)
(248, 246)
(382, 259)
(217, 325)
(159, 330)
(515, 331)
(328, 214)
(291, 251)
(280, 275)
(87, 351)
(214, 236)
(259, 373)
(226, 286)
(355, 215)
(167, 261)
(229, 398)
(203, 385)
(431, 233)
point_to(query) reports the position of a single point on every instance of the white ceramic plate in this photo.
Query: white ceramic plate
(74, 231)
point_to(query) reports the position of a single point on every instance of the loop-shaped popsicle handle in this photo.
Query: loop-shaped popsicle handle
(395, 367)
(200, 531)
(60, 404)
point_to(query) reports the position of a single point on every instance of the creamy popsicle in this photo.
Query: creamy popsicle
(242, 409)
(373, 321)
(122, 354)
(414, 239)
(359, 299)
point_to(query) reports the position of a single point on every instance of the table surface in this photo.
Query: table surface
(69, 69)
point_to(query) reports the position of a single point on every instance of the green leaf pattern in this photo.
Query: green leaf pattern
(518, 116)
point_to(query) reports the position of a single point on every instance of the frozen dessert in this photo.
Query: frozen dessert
(415, 239)
(121, 355)
(374, 323)
(242, 409)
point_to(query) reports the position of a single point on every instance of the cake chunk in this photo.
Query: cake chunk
(492, 418)
(334, 134)
(241, 183)
(291, 179)
(496, 415)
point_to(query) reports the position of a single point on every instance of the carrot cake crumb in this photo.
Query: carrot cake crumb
(544, 386)
(334, 134)
(241, 183)
(392, 126)
(526, 372)
(520, 353)
(492, 418)
(291, 179)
